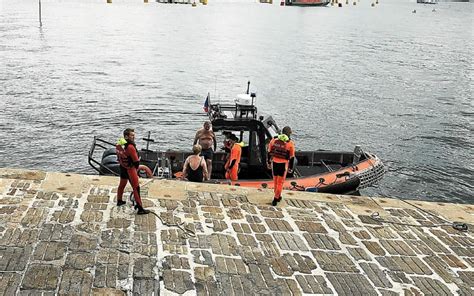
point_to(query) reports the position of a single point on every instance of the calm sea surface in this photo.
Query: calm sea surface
(395, 82)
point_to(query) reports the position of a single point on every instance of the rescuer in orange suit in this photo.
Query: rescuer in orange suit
(232, 164)
(281, 159)
(127, 156)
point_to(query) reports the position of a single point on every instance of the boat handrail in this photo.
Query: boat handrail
(94, 163)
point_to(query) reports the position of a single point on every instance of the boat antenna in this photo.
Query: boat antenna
(248, 87)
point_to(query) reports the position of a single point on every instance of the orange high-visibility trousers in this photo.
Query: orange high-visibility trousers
(279, 170)
(232, 174)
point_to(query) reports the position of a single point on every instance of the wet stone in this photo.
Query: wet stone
(146, 287)
(278, 225)
(321, 241)
(351, 284)
(172, 236)
(290, 241)
(235, 214)
(203, 274)
(359, 254)
(334, 225)
(347, 239)
(263, 237)
(222, 244)
(252, 255)
(202, 257)
(270, 250)
(175, 262)
(38, 204)
(95, 206)
(431, 286)
(241, 228)
(64, 216)
(98, 199)
(177, 281)
(410, 265)
(397, 247)
(467, 277)
(454, 261)
(441, 268)
(374, 248)
(368, 220)
(218, 225)
(14, 259)
(311, 227)
(249, 208)
(145, 223)
(281, 267)
(7, 210)
(69, 203)
(143, 268)
(19, 238)
(34, 217)
(334, 261)
(91, 216)
(49, 251)
(9, 283)
(91, 228)
(399, 277)
(382, 232)
(229, 202)
(313, 284)
(375, 275)
(460, 251)
(75, 282)
(47, 195)
(56, 232)
(118, 223)
(170, 205)
(81, 242)
(420, 247)
(272, 213)
(432, 242)
(200, 241)
(169, 218)
(343, 214)
(299, 263)
(80, 261)
(230, 265)
(41, 277)
(247, 240)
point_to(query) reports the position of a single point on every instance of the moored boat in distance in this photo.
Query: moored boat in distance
(315, 171)
(307, 2)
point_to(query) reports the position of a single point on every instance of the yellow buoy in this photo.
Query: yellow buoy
(204, 2)
(145, 1)
(109, 1)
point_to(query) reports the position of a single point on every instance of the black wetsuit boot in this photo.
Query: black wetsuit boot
(141, 210)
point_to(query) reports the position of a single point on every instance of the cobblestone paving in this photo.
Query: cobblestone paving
(54, 243)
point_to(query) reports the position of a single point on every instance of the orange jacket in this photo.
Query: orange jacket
(235, 154)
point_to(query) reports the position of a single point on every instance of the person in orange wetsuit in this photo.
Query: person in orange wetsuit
(232, 164)
(281, 159)
(129, 161)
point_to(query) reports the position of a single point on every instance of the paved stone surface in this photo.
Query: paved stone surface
(220, 241)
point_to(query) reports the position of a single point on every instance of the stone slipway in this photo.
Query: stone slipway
(62, 234)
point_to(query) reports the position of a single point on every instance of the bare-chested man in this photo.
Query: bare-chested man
(206, 138)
